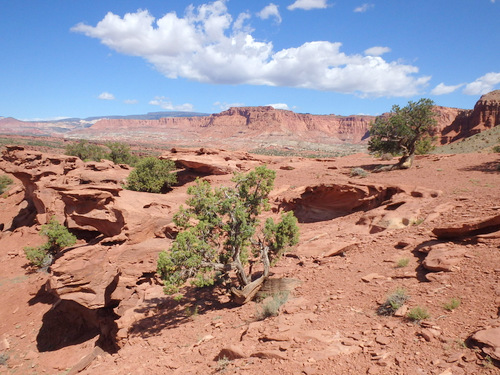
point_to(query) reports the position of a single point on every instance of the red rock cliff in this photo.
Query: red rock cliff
(248, 127)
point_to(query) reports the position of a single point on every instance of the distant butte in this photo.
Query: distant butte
(248, 128)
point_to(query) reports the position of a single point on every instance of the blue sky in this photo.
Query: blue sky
(74, 58)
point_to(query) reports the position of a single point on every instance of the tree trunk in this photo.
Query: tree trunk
(248, 292)
(405, 162)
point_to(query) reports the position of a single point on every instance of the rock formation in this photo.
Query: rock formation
(255, 127)
(485, 115)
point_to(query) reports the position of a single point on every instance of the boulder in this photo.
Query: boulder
(443, 258)
(467, 229)
(489, 339)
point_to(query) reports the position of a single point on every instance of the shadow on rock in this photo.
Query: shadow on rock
(69, 323)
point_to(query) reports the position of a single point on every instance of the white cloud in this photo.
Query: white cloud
(443, 89)
(377, 51)
(131, 101)
(240, 21)
(483, 84)
(106, 96)
(207, 46)
(280, 106)
(270, 11)
(165, 103)
(225, 106)
(363, 8)
(308, 4)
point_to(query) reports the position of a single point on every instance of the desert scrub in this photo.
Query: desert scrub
(5, 181)
(271, 306)
(393, 302)
(4, 357)
(403, 262)
(58, 237)
(222, 364)
(152, 175)
(417, 314)
(86, 151)
(452, 304)
(360, 172)
(220, 235)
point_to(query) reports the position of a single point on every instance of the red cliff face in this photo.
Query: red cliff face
(249, 127)
(461, 123)
(486, 113)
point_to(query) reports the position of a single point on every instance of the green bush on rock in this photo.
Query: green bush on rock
(58, 237)
(152, 175)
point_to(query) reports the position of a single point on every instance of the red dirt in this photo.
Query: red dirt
(329, 324)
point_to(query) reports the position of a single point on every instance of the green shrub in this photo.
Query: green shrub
(152, 175)
(417, 314)
(496, 148)
(5, 181)
(393, 302)
(86, 151)
(58, 237)
(38, 256)
(120, 154)
(220, 234)
(452, 304)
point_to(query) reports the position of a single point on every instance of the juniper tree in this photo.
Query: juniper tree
(220, 233)
(404, 131)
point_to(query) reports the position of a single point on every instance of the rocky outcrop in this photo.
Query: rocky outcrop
(84, 196)
(244, 127)
(485, 115)
(489, 339)
(468, 229)
(255, 127)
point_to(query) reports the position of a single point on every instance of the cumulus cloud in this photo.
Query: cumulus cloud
(443, 89)
(308, 4)
(106, 96)
(206, 45)
(377, 51)
(165, 103)
(270, 11)
(363, 8)
(280, 106)
(131, 101)
(483, 84)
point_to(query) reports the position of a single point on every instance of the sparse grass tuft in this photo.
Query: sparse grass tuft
(271, 307)
(403, 262)
(191, 312)
(222, 364)
(393, 302)
(4, 357)
(452, 304)
(417, 314)
(359, 172)
(386, 157)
